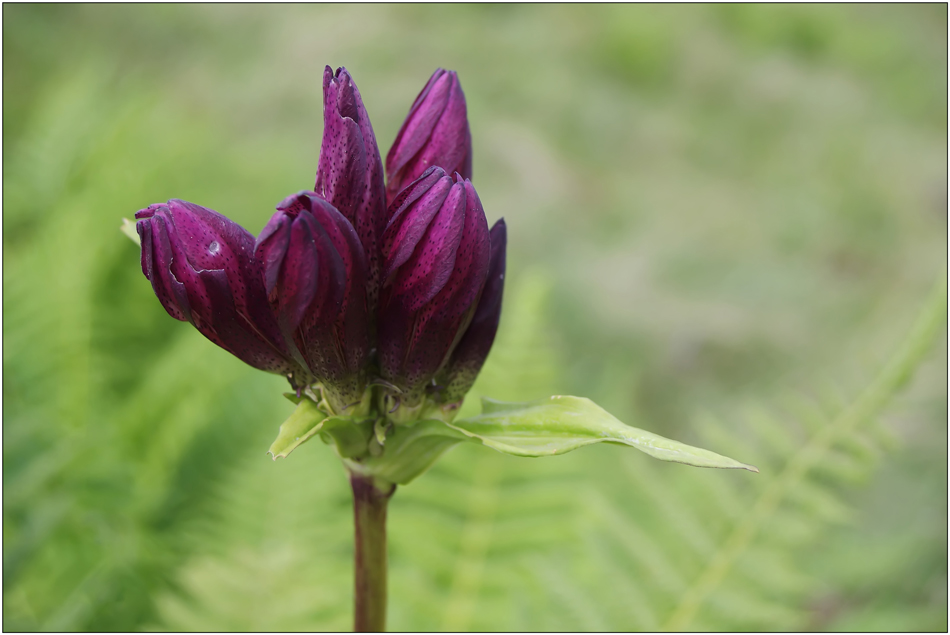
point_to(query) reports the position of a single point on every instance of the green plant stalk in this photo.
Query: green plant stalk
(369, 520)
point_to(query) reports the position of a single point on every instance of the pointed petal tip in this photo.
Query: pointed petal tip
(148, 212)
(291, 203)
(499, 233)
(453, 78)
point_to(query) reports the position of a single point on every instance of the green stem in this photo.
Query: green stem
(369, 518)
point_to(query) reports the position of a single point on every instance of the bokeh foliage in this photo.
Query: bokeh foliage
(723, 222)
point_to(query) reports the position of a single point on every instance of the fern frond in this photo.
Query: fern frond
(870, 402)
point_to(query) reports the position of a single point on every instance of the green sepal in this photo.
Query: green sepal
(560, 424)
(379, 431)
(128, 228)
(300, 427)
(408, 451)
(350, 436)
(293, 398)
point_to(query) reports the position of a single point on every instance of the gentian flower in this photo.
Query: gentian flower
(436, 252)
(379, 303)
(350, 300)
(458, 375)
(202, 268)
(315, 273)
(435, 133)
(350, 172)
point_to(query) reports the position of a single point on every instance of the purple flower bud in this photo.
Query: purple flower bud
(468, 356)
(314, 272)
(350, 171)
(435, 133)
(202, 268)
(435, 261)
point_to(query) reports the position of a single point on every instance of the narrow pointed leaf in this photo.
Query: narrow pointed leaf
(306, 421)
(563, 423)
(128, 228)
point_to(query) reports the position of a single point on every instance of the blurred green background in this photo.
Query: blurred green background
(722, 220)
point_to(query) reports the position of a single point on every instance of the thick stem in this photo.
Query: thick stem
(369, 518)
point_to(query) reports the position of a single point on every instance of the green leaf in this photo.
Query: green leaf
(306, 421)
(563, 423)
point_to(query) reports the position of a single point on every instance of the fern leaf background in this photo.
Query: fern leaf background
(726, 224)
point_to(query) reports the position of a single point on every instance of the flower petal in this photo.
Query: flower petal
(350, 171)
(431, 297)
(319, 294)
(203, 270)
(470, 353)
(435, 133)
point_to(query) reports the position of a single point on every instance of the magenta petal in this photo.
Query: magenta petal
(430, 298)
(450, 143)
(411, 221)
(350, 171)
(469, 355)
(316, 334)
(302, 269)
(228, 329)
(337, 340)
(354, 324)
(431, 264)
(344, 239)
(424, 186)
(474, 250)
(203, 270)
(156, 260)
(422, 118)
(435, 133)
(319, 295)
(272, 248)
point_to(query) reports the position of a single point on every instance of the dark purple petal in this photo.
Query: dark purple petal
(427, 304)
(411, 213)
(353, 330)
(350, 171)
(295, 275)
(275, 238)
(474, 251)
(469, 355)
(425, 245)
(319, 294)
(203, 270)
(423, 115)
(435, 133)
(156, 263)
